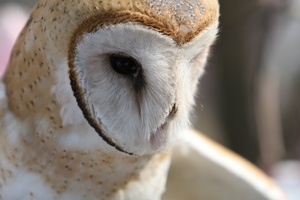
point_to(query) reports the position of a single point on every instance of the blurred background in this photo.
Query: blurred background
(249, 98)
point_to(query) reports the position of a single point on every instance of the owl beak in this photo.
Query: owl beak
(158, 138)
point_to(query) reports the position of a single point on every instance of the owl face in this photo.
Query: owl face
(135, 85)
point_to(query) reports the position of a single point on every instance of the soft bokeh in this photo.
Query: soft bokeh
(249, 97)
(12, 19)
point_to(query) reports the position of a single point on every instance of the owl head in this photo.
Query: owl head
(128, 69)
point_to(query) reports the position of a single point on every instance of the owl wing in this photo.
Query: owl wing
(203, 170)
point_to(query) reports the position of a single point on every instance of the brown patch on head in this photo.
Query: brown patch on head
(187, 17)
(181, 20)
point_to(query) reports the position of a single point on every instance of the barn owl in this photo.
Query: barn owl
(96, 92)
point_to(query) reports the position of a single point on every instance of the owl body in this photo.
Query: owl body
(95, 94)
(75, 122)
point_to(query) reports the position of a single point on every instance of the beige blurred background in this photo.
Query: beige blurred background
(249, 98)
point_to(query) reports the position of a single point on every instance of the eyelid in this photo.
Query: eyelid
(119, 53)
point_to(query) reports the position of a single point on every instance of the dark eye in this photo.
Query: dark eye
(124, 64)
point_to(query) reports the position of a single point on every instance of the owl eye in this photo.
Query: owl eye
(125, 65)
